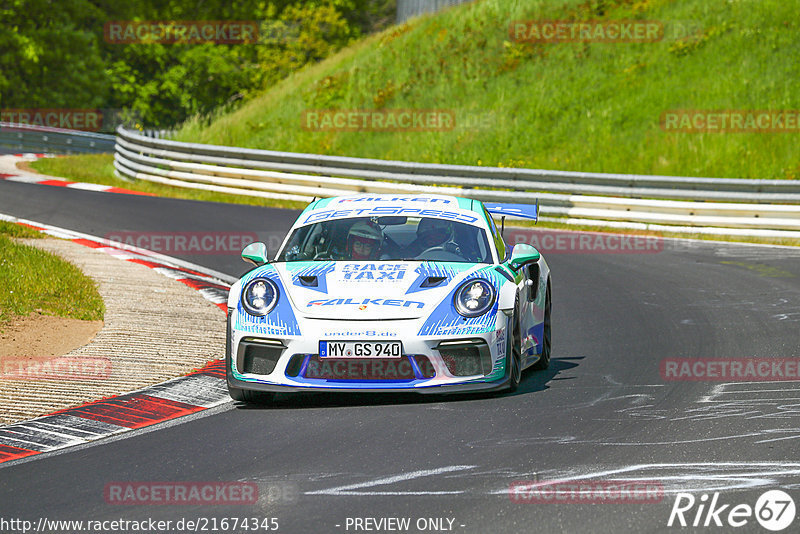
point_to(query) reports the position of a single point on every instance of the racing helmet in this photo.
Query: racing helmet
(364, 241)
(434, 232)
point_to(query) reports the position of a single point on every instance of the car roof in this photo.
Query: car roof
(375, 205)
(371, 200)
(447, 207)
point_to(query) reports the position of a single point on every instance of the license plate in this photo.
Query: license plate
(360, 349)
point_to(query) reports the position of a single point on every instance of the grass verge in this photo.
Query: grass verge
(10, 229)
(577, 106)
(34, 280)
(656, 233)
(99, 169)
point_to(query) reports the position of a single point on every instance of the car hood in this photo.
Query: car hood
(370, 290)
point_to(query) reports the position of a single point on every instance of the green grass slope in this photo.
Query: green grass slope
(34, 280)
(569, 106)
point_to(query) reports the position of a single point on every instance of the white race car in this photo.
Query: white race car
(383, 293)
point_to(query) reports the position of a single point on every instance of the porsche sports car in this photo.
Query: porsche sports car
(384, 293)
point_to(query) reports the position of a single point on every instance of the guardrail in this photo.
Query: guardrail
(738, 206)
(411, 8)
(28, 138)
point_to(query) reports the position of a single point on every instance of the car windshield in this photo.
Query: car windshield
(388, 239)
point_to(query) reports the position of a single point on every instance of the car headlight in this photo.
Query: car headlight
(474, 298)
(259, 296)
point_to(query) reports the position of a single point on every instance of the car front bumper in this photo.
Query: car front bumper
(473, 362)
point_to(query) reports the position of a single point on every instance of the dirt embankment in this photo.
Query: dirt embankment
(155, 328)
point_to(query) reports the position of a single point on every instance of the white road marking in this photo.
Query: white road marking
(686, 477)
(348, 489)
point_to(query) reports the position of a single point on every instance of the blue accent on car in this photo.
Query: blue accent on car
(320, 271)
(436, 270)
(525, 211)
(379, 211)
(360, 384)
(537, 331)
(281, 321)
(445, 320)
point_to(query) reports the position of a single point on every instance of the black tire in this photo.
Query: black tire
(515, 352)
(547, 338)
(236, 394)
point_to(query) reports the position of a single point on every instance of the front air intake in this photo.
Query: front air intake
(258, 356)
(467, 357)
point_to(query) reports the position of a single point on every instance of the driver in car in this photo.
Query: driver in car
(364, 241)
(433, 234)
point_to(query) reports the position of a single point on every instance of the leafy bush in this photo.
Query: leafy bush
(53, 54)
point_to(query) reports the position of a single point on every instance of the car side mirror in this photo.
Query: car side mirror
(521, 255)
(255, 253)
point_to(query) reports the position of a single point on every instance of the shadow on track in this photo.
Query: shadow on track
(533, 381)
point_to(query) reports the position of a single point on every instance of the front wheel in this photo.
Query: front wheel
(514, 360)
(544, 359)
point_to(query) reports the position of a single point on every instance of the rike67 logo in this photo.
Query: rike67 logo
(774, 510)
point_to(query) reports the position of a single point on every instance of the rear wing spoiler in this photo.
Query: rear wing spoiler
(525, 211)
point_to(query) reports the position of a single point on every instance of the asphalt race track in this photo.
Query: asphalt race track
(601, 412)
